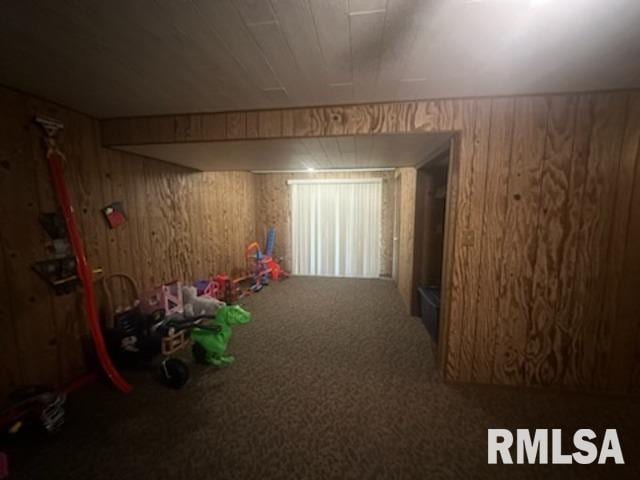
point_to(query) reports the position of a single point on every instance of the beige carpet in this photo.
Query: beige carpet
(332, 380)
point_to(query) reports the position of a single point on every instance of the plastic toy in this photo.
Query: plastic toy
(271, 242)
(210, 343)
(127, 304)
(225, 289)
(262, 267)
(274, 267)
(211, 290)
(56, 159)
(166, 297)
(137, 338)
(257, 268)
(207, 288)
(33, 410)
(174, 373)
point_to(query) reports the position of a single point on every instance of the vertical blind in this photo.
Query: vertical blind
(336, 227)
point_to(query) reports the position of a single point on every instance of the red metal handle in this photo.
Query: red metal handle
(55, 158)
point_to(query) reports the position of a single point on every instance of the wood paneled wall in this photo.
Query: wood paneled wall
(406, 182)
(274, 210)
(181, 225)
(543, 288)
(543, 285)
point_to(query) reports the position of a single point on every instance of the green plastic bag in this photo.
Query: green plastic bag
(210, 346)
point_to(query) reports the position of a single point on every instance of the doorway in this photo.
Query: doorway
(430, 228)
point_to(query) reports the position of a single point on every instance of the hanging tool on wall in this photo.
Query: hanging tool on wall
(59, 272)
(55, 157)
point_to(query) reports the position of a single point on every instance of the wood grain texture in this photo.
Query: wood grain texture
(624, 361)
(205, 56)
(544, 188)
(499, 153)
(11, 145)
(629, 301)
(543, 265)
(65, 309)
(22, 243)
(612, 328)
(609, 113)
(548, 323)
(407, 183)
(569, 305)
(470, 207)
(176, 219)
(519, 244)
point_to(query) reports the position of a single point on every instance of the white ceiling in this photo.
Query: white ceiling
(373, 151)
(137, 57)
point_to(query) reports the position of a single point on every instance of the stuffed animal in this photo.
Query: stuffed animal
(195, 306)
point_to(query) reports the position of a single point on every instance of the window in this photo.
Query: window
(336, 227)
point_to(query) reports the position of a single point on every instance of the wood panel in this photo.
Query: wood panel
(273, 210)
(68, 332)
(22, 244)
(543, 258)
(475, 120)
(598, 212)
(628, 340)
(175, 230)
(545, 342)
(519, 247)
(569, 305)
(112, 57)
(624, 310)
(407, 184)
(542, 268)
(502, 116)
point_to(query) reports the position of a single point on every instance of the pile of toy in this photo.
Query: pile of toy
(261, 266)
(31, 410)
(172, 317)
(166, 320)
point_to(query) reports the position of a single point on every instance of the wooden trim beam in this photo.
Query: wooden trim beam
(381, 118)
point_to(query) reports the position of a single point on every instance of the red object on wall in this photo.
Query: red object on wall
(55, 159)
(114, 214)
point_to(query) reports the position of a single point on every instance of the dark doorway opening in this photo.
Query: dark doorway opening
(429, 245)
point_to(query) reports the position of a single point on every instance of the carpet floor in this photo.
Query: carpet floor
(332, 380)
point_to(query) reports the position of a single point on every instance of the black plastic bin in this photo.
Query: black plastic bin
(430, 307)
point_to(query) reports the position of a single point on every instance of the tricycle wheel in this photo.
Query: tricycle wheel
(174, 373)
(199, 353)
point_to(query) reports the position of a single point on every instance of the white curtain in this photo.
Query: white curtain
(336, 227)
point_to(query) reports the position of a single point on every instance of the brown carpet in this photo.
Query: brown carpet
(331, 380)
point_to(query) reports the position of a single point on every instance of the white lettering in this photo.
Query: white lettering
(502, 446)
(611, 447)
(556, 448)
(532, 446)
(591, 451)
(538, 447)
